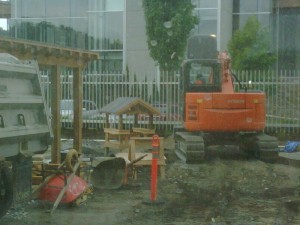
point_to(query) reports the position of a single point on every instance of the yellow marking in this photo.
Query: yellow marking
(199, 101)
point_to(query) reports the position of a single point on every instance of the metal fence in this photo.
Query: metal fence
(283, 97)
(282, 90)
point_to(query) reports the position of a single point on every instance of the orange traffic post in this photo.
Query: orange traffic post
(154, 165)
(155, 157)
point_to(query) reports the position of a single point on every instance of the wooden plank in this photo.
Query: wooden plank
(144, 131)
(146, 160)
(62, 192)
(115, 131)
(117, 145)
(116, 138)
(145, 139)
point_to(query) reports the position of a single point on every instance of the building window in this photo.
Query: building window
(251, 6)
(105, 31)
(242, 10)
(207, 12)
(239, 20)
(106, 5)
(205, 3)
(65, 25)
(288, 36)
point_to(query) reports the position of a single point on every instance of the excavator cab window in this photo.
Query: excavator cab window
(201, 76)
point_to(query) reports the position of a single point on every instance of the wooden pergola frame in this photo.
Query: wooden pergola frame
(55, 57)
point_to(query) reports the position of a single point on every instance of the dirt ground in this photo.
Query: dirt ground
(222, 190)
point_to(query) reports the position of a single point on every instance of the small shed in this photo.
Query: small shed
(127, 106)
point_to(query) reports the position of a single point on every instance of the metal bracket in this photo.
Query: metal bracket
(1, 122)
(21, 119)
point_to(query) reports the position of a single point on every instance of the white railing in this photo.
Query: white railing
(104, 88)
(283, 97)
(282, 90)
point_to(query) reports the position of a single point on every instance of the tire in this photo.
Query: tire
(6, 188)
(71, 159)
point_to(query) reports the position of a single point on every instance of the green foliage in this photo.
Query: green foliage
(168, 25)
(250, 47)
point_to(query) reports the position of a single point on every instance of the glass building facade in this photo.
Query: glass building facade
(95, 25)
(116, 28)
(65, 25)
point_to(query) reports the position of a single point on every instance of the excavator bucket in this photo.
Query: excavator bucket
(108, 172)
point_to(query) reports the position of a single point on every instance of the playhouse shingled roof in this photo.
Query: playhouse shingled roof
(129, 105)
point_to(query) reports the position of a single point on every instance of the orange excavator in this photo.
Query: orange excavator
(214, 114)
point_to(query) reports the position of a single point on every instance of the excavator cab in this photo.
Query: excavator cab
(201, 71)
(201, 76)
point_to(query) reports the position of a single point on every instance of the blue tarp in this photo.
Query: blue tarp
(291, 146)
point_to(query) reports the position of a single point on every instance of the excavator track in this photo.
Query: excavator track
(189, 147)
(262, 146)
(266, 148)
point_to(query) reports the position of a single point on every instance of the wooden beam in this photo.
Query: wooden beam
(55, 111)
(46, 54)
(77, 97)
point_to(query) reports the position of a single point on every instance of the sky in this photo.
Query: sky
(3, 24)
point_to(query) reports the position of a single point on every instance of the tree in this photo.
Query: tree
(168, 25)
(249, 48)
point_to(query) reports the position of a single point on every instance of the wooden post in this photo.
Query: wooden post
(77, 96)
(55, 111)
(120, 122)
(106, 120)
(135, 120)
(151, 125)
